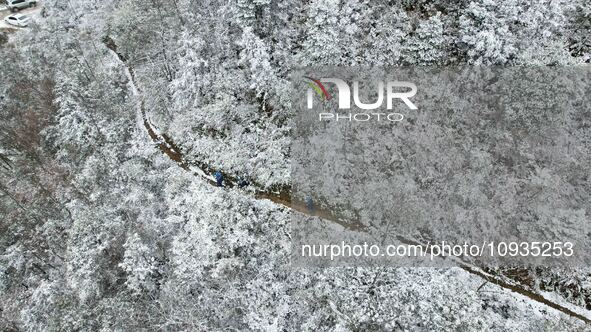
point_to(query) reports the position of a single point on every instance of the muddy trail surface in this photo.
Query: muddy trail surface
(281, 196)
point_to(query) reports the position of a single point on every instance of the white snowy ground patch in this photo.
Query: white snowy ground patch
(231, 252)
(425, 299)
(227, 134)
(218, 243)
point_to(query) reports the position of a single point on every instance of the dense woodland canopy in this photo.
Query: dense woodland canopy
(100, 231)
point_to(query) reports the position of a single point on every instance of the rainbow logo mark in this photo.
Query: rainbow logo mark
(318, 87)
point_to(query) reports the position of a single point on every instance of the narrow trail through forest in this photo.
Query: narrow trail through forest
(282, 197)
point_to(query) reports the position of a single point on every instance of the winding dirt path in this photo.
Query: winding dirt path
(282, 197)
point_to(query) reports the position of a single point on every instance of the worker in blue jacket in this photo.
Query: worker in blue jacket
(219, 178)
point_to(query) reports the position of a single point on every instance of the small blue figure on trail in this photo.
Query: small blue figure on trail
(219, 178)
(310, 203)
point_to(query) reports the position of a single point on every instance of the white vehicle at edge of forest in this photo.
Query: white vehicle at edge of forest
(18, 20)
(15, 5)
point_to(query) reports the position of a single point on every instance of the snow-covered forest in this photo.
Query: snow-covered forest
(114, 115)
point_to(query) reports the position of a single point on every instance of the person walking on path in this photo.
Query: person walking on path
(219, 178)
(310, 203)
(242, 182)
